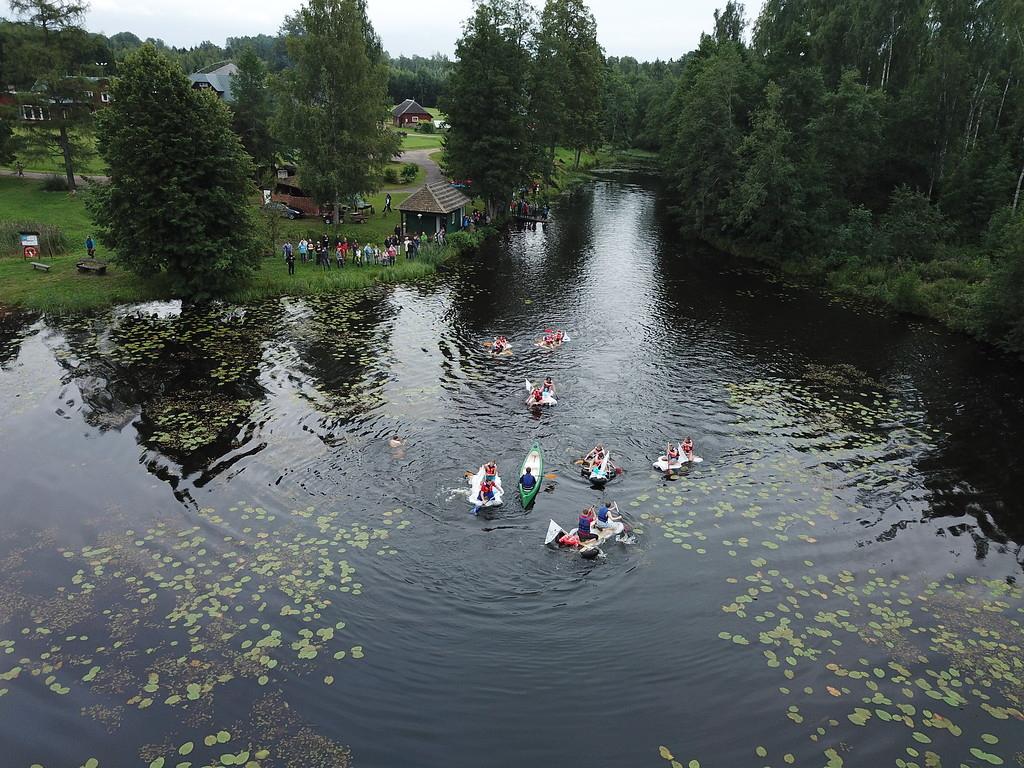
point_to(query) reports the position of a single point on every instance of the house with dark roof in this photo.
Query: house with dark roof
(410, 113)
(432, 208)
(216, 78)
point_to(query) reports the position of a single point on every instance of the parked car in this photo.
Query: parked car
(283, 210)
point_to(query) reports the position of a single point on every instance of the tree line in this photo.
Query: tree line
(878, 144)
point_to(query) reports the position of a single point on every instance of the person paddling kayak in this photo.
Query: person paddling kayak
(583, 532)
(528, 481)
(688, 448)
(595, 457)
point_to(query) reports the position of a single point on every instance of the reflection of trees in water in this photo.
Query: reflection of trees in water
(341, 342)
(192, 376)
(14, 328)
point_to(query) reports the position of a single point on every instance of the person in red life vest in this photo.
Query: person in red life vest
(595, 457)
(583, 532)
(536, 397)
(688, 449)
(558, 337)
(486, 491)
(549, 386)
(490, 472)
(672, 454)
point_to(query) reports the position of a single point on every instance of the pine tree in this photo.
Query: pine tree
(333, 106)
(180, 197)
(58, 45)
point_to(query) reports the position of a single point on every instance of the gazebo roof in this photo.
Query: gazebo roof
(439, 197)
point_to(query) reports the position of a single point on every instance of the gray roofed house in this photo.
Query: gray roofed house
(216, 77)
(434, 207)
(409, 112)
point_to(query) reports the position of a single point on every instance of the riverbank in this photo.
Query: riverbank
(949, 290)
(64, 289)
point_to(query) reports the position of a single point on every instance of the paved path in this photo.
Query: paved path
(80, 180)
(421, 157)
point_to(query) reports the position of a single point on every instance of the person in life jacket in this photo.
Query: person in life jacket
(549, 386)
(672, 453)
(490, 472)
(607, 519)
(688, 448)
(536, 396)
(583, 532)
(595, 457)
(486, 491)
(549, 339)
(558, 337)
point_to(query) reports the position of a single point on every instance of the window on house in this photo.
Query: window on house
(30, 112)
(415, 119)
(105, 97)
(89, 94)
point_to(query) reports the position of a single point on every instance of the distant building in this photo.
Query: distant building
(33, 106)
(216, 78)
(288, 190)
(410, 113)
(432, 208)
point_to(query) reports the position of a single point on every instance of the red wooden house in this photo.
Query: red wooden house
(409, 113)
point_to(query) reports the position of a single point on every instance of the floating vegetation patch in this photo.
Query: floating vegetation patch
(187, 421)
(930, 667)
(164, 619)
(839, 376)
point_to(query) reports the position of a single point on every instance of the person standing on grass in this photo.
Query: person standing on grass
(387, 204)
(290, 261)
(20, 169)
(303, 250)
(90, 246)
(286, 249)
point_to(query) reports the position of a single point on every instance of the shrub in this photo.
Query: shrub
(409, 171)
(906, 294)
(391, 175)
(426, 127)
(55, 183)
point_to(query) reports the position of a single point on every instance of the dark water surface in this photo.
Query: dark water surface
(211, 556)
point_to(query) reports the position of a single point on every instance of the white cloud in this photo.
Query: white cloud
(644, 29)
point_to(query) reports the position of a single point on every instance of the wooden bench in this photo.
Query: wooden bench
(44, 267)
(92, 265)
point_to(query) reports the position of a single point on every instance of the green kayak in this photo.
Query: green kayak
(535, 461)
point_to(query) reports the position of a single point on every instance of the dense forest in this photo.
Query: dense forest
(880, 145)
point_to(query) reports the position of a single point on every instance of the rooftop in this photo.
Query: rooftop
(439, 197)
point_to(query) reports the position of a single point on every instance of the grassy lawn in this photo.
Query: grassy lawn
(423, 141)
(64, 289)
(92, 166)
(23, 200)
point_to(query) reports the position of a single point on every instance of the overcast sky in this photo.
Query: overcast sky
(644, 29)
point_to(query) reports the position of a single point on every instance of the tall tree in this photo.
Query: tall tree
(252, 110)
(491, 140)
(333, 106)
(180, 197)
(567, 87)
(60, 93)
(767, 200)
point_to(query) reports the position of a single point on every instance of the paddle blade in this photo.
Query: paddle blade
(550, 476)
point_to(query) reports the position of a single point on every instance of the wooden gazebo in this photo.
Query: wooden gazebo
(432, 208)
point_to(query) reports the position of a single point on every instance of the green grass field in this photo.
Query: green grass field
(64, 289)
(422, 141)
(92, 165)
(421, 176)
